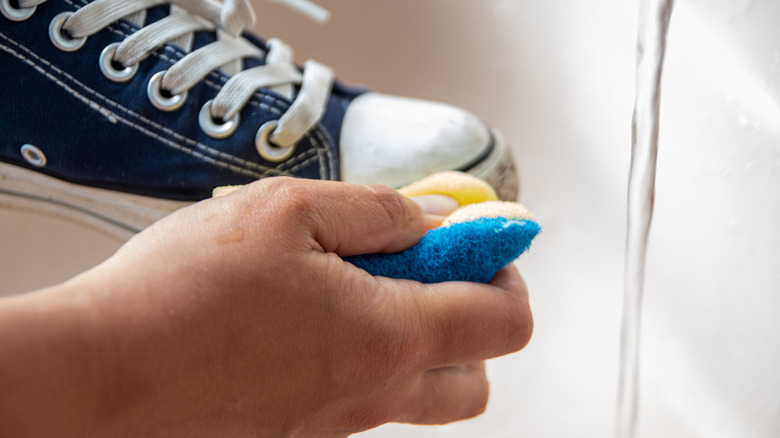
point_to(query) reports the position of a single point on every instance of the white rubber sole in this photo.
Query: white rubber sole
(118, 214)
(498, 170)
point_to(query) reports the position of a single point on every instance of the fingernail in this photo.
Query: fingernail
(438, 205)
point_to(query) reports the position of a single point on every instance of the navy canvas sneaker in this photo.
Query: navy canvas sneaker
(117, 112)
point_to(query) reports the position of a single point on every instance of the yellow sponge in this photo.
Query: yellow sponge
(460, 186)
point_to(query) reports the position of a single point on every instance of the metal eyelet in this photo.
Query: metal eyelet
(15, 13)
(268, 150)
(161, 102)
(59, 39)
(107, 63)
(214, 129)
(33, 155)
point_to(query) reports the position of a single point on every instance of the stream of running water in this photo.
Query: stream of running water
(651, 44)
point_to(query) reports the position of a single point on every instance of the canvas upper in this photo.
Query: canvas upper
(81, 127)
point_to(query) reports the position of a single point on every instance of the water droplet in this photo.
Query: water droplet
(743, 120)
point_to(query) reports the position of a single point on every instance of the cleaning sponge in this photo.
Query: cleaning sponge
(474, 242)
(460, 186)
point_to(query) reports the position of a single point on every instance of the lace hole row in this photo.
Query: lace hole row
(13, 12)
(219, 129)
(224, 129)
(162, 100)
(156, 94)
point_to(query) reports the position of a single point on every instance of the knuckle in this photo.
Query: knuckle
(281, 205)
(288, 197)
(298, 199)
(267, 186)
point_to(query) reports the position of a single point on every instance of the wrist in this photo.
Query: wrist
(50, 359)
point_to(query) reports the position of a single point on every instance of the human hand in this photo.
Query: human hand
(238, 317)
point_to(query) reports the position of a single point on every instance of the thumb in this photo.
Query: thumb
(350, 219)
(356, 219)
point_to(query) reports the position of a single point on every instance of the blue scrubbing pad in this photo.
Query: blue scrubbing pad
(463, 251)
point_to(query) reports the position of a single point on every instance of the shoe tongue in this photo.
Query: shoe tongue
(138, 18)
(188, 42)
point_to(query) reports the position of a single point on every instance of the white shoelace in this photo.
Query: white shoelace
(228, 18)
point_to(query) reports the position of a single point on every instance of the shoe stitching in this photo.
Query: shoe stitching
(317, 155)
(96, 106)
(322, 163)
(317, 143)
(325, 138)
(265, 170)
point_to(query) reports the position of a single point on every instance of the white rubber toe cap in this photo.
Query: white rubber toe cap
(394, 140)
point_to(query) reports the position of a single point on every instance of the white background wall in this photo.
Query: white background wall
(556, 77)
